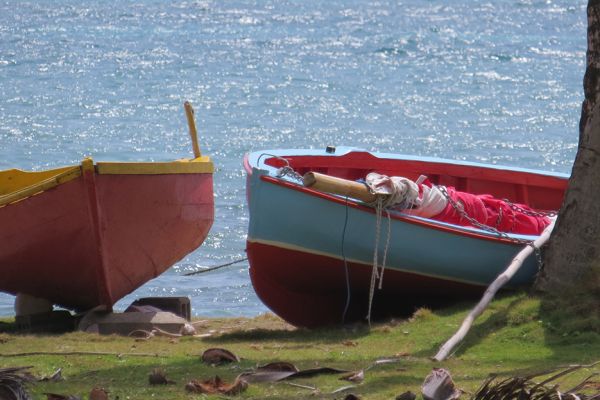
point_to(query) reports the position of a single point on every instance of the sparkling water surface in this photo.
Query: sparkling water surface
(491, 81)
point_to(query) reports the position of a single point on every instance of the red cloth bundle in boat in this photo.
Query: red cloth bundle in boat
(492, 212)
(421, 198)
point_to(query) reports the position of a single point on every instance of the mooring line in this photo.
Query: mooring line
(215, 267)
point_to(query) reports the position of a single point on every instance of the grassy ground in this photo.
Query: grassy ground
(512, 337)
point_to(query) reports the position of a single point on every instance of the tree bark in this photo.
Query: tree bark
(572, 257)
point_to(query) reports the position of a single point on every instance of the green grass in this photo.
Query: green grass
(513, 336)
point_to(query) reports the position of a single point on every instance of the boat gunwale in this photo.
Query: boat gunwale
(253, 160)
(199, 165)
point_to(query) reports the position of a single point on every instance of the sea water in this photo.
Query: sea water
(491, 81)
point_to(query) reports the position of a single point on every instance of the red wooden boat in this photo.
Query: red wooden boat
(89, 234)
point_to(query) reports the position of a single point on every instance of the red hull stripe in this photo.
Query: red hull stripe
(313, 290)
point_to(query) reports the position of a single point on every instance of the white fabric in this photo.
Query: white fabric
(402, 193)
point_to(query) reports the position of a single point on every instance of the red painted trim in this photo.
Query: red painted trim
(313, 290)
(350, 203)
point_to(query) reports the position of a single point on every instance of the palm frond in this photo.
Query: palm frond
(525, 388)
(13, 383)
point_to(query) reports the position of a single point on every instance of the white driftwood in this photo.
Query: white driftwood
(490, 292)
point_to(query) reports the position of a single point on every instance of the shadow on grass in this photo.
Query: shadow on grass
(478, 332)
(525, 318)
(572, 325)
(332, 334)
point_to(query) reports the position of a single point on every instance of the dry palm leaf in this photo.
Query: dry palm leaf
(281, 366)
(216, 356)
(356, 377)
(524, 387)
(55, 396)
(408, 395)
(159, 377)
(217, 386)
(13, 383)
(438, 385)
(98, 394)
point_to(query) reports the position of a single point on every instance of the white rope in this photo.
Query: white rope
(374, 273)
(385, 249)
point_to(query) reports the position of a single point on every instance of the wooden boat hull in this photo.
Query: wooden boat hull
(106, 231)
(311, 254)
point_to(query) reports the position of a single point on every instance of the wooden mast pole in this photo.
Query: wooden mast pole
(189, 112)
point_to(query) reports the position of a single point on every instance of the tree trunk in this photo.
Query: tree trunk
(572, 257)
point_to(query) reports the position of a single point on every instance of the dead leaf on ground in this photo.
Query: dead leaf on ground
(98, 394)
(406, 396)
(592, 385)
(159, 377)
(318, 371)
(217, 386)
(356, 377)
(55, 396)
(282, 366)
(13, 383)
(141, 335)
(272, 372)
(275, 372)
(438, 385)
(217, 356)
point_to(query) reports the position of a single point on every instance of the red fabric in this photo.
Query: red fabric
(493, 212)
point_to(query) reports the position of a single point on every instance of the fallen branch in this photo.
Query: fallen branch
(489, 294)
(77, 353)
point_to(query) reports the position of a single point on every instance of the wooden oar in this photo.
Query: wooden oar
(343, 187)
(189, 112)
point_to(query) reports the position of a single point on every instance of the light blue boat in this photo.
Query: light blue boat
(311, 254)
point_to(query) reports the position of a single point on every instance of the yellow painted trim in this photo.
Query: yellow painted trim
(65, 175)
(12, 180)
(198, 165)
